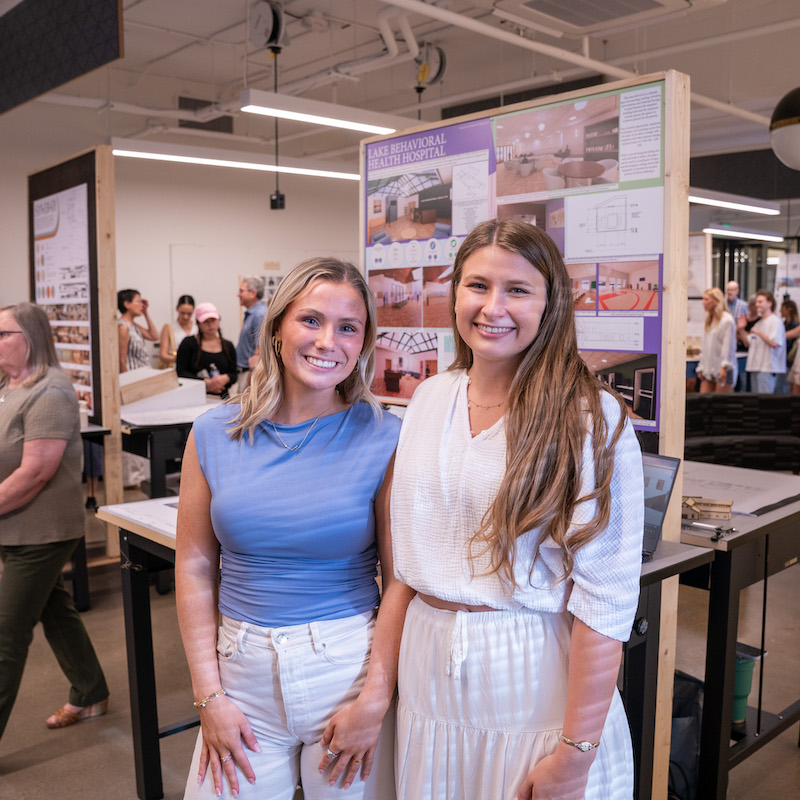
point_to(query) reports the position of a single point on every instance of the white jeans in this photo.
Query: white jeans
(289, 682)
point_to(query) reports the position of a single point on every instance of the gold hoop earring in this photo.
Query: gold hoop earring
(277, 345)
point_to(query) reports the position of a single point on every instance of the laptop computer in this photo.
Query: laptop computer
(659, 480)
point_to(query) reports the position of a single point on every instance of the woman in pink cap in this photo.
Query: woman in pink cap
(207, 355)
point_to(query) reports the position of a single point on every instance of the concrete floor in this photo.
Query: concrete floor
(94, 759)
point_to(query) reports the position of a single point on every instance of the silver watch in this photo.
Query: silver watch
(584, 747)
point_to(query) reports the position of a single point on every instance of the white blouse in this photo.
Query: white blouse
(718, 349)
(445, 480)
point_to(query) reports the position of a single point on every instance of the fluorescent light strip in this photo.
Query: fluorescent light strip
(317, 120)
(221, 162)
(733, 202)
(731, 233)
(317, 112)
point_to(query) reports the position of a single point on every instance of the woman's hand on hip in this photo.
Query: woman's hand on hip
(559, 776)
(225, 732)
(352, 736)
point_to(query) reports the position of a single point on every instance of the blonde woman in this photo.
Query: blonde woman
(717, 368)
(283, 484)
(517, 511)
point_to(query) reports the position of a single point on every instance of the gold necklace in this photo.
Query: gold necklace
(298, 446)
(473, 404)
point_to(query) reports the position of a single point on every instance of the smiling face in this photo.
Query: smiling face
(763, 307)
(500, 300)
(321, 335)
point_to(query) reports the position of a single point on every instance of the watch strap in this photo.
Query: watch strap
(584, 747)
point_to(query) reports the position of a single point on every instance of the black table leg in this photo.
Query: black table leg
(141, 670)
(723, 615)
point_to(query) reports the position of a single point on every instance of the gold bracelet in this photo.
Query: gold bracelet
(202, 703)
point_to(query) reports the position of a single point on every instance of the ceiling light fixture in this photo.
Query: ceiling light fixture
(271, 104)
(184, 154)
(734, 202)
(741, 233)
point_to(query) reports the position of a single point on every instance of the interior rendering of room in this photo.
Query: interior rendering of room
(435, 294)
(633, 378)
(403, 359)
(553, 149)
(584, 286)
(398, 296)
(415, 205)
(628, 286)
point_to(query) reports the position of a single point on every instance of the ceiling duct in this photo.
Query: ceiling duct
(599, 17)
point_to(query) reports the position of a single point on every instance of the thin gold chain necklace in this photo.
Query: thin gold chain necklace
(308, 432)
(473, 404)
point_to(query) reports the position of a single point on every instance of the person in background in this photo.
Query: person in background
(285, 484)
(41, 516)
(766, 353)
(251, 294)
(132, 349)
(717, 367)
(517, 512)
(206, 355)
(736, 307)
(791, 326)
(172, 334)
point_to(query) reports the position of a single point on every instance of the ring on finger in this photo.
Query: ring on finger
(226, 758)
(331, 755)
(357, 760)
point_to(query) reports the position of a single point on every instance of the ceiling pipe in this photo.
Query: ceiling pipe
(352, 69)
(482, 29)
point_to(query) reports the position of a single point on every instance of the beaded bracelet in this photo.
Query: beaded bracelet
(202, 703)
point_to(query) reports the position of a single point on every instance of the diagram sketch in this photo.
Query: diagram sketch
(624, 224)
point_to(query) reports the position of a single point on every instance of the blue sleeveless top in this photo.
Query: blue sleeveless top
(296, 529)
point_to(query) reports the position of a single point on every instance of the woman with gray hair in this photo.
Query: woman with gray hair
(41, 515)
(283, 488)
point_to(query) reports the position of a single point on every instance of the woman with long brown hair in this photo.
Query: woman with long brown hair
(516, 509)
(717, 367)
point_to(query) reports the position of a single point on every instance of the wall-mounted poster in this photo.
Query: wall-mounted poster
(589, 171)
(61, 281)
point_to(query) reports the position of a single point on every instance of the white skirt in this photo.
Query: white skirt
(481, 701)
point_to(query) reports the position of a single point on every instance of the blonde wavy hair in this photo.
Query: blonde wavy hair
(715, 315)
(38, 336)
(265, 393)
(553, 402)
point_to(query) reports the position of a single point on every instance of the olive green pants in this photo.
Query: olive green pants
(32, 590)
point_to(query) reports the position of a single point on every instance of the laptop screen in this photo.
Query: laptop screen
(659, 480)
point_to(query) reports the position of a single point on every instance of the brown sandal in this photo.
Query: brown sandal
(63, 718)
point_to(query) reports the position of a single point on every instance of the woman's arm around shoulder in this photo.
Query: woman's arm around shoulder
(354, 730)
(225, 727)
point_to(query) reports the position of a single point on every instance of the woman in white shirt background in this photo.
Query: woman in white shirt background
(717, 367)
(766, 355)
(516, 511)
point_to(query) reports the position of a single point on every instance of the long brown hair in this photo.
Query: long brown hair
(264, 395)
(553, 402)
(38, 336)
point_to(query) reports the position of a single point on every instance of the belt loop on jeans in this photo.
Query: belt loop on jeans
(458, 645)
(240, 645)
(316, 637)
